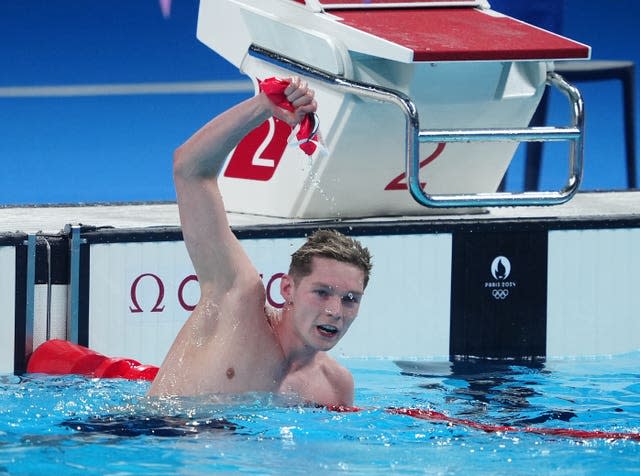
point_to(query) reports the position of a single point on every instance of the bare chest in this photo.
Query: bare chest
(243, 366)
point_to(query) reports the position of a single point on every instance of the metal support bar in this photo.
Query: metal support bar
(49, 289)
(413, 136)
(74, 283)
(30, 294)
(481, 135)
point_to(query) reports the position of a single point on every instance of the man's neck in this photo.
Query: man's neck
(295, 352)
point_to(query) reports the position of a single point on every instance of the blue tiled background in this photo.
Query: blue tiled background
(118, 148)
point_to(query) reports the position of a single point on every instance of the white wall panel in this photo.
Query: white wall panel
(593, 304)
(57, 313)
(406, 307)
(405, 311)
(7, 307)
(117, 327)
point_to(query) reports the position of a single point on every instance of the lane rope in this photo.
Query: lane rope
(432, 415)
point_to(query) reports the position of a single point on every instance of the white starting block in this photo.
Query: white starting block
(430, 97)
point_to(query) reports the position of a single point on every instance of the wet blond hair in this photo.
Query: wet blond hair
(333, 245)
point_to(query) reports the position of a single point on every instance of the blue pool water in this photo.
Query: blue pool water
(77, 425)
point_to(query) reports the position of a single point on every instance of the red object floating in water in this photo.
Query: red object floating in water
(61, 357)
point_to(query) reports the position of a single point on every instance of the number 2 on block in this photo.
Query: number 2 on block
(400, 182)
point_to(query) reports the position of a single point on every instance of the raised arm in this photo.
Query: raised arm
(217, 256)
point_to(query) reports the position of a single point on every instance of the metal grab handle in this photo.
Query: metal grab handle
(414, 136)
(574, 134)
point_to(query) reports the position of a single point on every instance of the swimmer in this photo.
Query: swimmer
(233, 342)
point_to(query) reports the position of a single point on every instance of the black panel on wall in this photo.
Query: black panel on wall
(19, 358)
(499, 295)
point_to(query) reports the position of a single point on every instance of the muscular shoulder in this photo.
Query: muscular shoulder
(339, 378)
(244, 299)
(219, 311)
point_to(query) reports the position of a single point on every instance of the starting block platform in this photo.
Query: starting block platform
(423, 99)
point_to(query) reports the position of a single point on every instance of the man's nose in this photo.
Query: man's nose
(334, 306)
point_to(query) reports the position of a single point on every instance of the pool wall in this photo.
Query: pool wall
(441, 289)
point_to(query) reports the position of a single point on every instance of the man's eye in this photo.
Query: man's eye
(322, 292)
(350, 298)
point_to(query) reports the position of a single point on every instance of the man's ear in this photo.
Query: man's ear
(287, 287)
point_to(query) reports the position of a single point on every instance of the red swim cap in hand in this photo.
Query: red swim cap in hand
(306, 135)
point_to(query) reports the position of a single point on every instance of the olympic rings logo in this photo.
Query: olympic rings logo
(500, 293)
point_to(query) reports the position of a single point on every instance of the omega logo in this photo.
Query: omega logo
(134, 293)
(270, 299)
(155, 286)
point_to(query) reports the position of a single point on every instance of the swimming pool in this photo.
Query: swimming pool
(91, 426)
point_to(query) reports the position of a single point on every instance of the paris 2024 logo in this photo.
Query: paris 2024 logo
(500, 285)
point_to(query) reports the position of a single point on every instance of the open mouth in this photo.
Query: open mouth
(327, 330)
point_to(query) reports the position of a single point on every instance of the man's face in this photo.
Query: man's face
(326, 302)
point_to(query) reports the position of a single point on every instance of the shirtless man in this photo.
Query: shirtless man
(232, 343)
